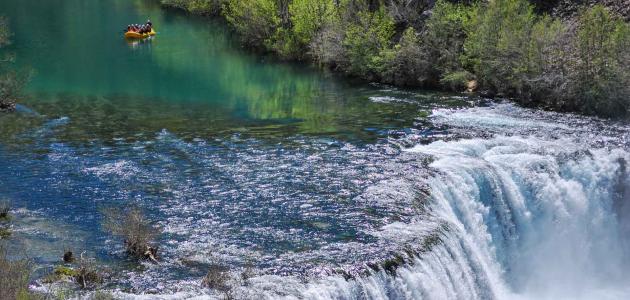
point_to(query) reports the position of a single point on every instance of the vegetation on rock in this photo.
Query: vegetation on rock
(136, 230)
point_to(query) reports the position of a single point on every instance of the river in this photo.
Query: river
(319, 186)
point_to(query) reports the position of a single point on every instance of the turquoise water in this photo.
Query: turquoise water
(192, 79)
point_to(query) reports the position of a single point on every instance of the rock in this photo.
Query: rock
(472, 86)
(68, 257)
(7, 106)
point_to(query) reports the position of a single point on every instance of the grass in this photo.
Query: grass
(15, 276)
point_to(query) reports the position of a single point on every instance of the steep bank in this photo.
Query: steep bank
(505, 47)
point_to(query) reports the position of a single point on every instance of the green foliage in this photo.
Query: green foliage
(443, 41)
(308, 17)
(256, 20)
(65, 271)
(548, 62)
(367, 41)
(497, 44)
(502, 44)
(602, 72)
(202, 7)
(405, 63)
(456, 80)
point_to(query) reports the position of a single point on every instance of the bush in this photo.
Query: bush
(548, 64)
(457, 81)
(138, 233)
(405, 64)
(256, 21)
(14, 277)
(496, 47)
(367, 41)
(602, 74)
(308, 17)
(326, 47)
(443, 43)
(87, 274)
(202, 7)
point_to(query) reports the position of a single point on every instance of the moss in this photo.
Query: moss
(65, 271)
(393, 263)
(424, 114)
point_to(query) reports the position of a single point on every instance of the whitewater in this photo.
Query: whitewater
(487, 202)
(537, 210)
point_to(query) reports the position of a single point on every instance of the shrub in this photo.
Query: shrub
(256, 21)
(326, 47)
(365, 42)
(65, 271)
(87, 274)
(138, 233)
(443, 43)
(496, 47)
(549, 45)
(202, 7)
(5, 218)
(457, 81)
(308, 17)
(602, 75)
(14, 277)
(405, 63)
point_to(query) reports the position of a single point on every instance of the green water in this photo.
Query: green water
(191, 79)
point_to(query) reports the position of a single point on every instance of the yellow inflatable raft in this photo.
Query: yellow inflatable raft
(135, 35)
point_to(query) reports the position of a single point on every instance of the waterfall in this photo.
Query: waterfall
(526, 218)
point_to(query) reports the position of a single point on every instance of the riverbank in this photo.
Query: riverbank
(510, 48)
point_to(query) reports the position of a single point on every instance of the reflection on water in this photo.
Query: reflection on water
(190, 79)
